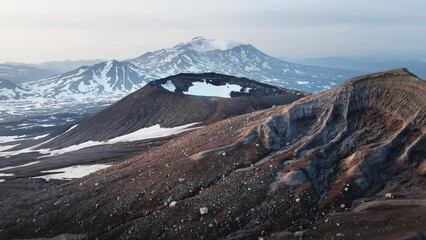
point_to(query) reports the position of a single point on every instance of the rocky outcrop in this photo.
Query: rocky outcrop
(348, 162)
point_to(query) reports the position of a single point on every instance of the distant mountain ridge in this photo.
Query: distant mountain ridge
(20, 73)
(196, 56)
(105, 77)
(68, 65)
(57, 66)
(417, 67)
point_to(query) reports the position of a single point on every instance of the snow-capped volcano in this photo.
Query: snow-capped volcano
(201, 44)
(105, 77)
(183, 56)
(208, 55)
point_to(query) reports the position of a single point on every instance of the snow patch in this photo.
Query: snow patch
(4, 148)
(19, 166)
(302, 82)
(6, 174)
(152, 132)
(169, 86)
(71, 128)
(155, 131)
(207, 89)
(40, 137)
(72, 172)
(32, 148)
(6, 139)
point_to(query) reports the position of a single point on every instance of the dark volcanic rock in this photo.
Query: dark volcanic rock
(345, 163)
(153, 105)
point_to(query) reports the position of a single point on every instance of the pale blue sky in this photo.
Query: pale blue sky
(42, 30)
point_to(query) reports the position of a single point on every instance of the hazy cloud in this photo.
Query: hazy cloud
(60, 29)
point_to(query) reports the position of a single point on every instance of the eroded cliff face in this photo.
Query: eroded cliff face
(348, 162)
(360, 134)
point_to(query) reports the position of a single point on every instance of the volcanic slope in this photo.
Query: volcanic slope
(9, 90)
(348, 162)
(166, 102)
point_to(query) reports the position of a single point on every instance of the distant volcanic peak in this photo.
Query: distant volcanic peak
(201, 44)
(201, 55)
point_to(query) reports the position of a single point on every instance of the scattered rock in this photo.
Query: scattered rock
(422, 168)
(298, 234)
(168, 201)
(293, 178)
(204, 210)
(388, 195)
(172, 204)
